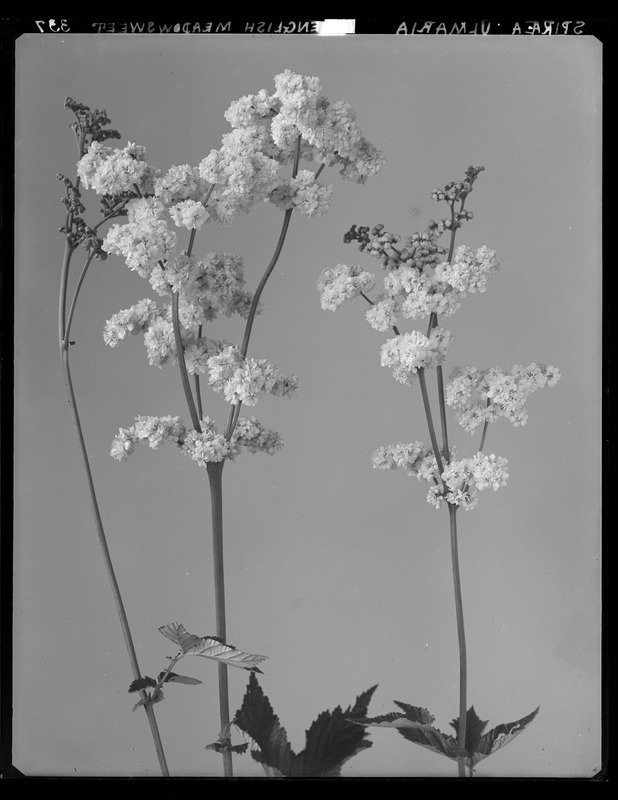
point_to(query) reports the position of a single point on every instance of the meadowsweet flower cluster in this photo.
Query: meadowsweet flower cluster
(341, 283)
(246, 380)
(480, 396)
(469, 270)
(110, 171)
(204, 447)
(266, 131)
(461, 479)
(145, 240)
(408, 353)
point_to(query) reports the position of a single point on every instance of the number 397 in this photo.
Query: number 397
(55, 26)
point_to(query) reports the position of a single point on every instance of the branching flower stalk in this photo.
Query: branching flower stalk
(270, 133)
(90, 127)
(420, 283)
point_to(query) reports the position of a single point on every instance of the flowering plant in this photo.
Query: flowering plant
(424, 279)
(259, 161)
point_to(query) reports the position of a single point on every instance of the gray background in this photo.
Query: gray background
(339, 573)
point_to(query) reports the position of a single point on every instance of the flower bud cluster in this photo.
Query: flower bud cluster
(457, 190)
(90, 124)
(480, 396)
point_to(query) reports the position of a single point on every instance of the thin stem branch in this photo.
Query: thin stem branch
(215, 472)
(180, 351)
(430, 425)
(461, 635)
(198, 391)
(124, 622)
(67, 332)
(235, 411)
(180, 355)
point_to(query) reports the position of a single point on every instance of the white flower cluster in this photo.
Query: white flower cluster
(132, 320)
(469, 270)
(415, 293)
(205, 447)
(156, 325)
(341, 283)
(480, 396)
(266, 129)
(145, 239)
(112, 171)
(246, 380)
(153, 430)
(208, 286)
(408, 353)
(461, 479)
(464, 479)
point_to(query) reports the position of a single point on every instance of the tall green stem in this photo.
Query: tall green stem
(235, 410)
(461, 635)
(215, 472)
(124, 622)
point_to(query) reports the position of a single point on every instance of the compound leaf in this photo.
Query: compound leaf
(210, 647)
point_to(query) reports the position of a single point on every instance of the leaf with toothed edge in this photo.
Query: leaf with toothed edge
(211, 647)
(172, 677)
(142, 683)
(501, 735)
(415, 724)
(331, 739)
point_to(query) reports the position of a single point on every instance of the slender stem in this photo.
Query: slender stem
(180, 351)
(184, 375)
(461, 635)
(235, 411)
(67, 332)
(63, 336)
(215, 472)
(443, 425)
(430, 425)
(196, 380)
(124, 622)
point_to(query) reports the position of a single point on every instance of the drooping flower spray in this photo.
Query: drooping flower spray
(259, 160)
(425, 279)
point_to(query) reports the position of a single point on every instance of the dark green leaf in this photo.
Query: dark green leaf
(331, 740)
(174, 678)
(142, 683)
(474, 730)
(210, 647)
(414, 724)
(220, 747)
(500, 736)
(269, 741)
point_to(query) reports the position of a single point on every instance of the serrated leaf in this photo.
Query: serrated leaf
(221, 747)
(474, 729)
(211, 647)
(142, 683)
(415, 724)
(268, 740)
(500, 736)
(172, 677)
(331, 739)
(150, 700)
